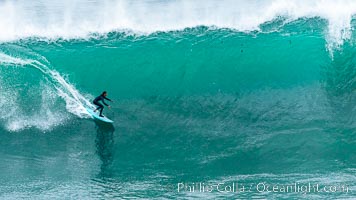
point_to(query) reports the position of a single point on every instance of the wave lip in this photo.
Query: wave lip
(81, 18)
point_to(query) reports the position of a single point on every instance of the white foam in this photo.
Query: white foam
(45, 118)
(6, 59)
(48, 116)
(80, 18)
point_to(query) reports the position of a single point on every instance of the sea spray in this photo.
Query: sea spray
(55, 85)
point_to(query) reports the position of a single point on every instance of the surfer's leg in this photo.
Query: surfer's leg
(95, 103)
(101, 110)
(100, 106)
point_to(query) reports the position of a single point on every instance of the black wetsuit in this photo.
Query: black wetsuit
(100, 106)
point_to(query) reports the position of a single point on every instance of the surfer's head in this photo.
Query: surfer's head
(104, 94)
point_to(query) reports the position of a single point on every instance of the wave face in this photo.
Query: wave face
(250, 93)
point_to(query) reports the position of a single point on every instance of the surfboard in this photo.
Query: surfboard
(96, 116)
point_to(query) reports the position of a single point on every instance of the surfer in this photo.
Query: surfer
(101, 98)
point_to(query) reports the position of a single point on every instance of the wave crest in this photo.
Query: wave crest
(80, 18)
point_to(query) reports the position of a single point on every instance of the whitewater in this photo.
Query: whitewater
(80, 18)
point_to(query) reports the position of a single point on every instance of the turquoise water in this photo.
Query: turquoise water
(202, 104)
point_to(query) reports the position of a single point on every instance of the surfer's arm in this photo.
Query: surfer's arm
(107, 99)
(105, 103)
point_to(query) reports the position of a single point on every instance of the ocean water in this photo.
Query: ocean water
(212, 99)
